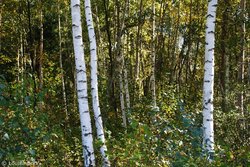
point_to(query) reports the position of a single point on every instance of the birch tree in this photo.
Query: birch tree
(94, 82)
(87, 139)
(208, 84)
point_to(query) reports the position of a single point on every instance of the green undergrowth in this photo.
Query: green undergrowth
(169, 135)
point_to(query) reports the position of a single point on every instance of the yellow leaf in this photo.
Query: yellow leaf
(231, 155)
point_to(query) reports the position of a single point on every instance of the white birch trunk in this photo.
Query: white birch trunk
(94, 83)
(208, 85)
(81, 83)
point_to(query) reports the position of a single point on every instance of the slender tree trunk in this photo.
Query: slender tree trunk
(153, 55)
(241, 77)
(160, 45)
(94, 82)
(242, 56)
(126, 88)
(72, 85)
(126, 82)
(18, 65)
(81, 76)
(30, 39)
(120, 57)
(138, 43)
(126, 66)
(40, 61)
(225, 59)
(173, 58)
(111, 84)
(61, 64)
(23, 62)
(124, 117)
(99, 42)
(31, 53)
(98, 31)
(208, 84)
(187, 58)
(120, 60)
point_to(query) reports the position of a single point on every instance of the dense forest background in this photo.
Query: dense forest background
(39, 116)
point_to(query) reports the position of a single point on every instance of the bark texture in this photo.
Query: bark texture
(94, 83)
(208, 84)
(81, 83)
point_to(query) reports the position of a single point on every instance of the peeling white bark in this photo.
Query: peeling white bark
(87, 139)
(94, 83)
(208, 85)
